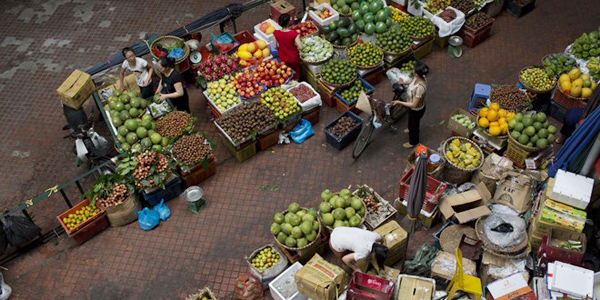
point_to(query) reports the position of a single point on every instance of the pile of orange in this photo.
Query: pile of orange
(494, 120)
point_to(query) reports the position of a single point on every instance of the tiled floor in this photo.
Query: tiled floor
(43, 41)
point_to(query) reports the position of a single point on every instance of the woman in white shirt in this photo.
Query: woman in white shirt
(141, 69)
(355, 246)
(415, 101)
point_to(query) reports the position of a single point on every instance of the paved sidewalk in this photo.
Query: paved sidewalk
(43, 41)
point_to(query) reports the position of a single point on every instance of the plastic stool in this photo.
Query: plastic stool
(480, 91)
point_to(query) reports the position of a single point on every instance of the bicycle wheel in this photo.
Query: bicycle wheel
(363, 138)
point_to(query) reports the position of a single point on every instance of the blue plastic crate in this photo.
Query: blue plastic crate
(365, 84)
(224, 37)
(341, 143)
(172, 189)
(481, 91)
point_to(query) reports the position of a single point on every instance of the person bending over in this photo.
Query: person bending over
(357, 247)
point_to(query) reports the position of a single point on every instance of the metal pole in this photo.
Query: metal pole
(62, 192)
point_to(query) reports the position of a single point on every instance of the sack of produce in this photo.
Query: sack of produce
(248, 287)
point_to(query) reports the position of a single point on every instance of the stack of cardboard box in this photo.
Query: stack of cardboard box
(396, 239)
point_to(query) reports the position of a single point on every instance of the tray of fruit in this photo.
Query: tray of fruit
(397, 14)
(373, 17)
(218, 66)
(342, 33)
(304, 29)
(306, 96)
(282, 103)
(267, 262)
(532, 132)
(296, 228)
(79, 216)
(379, 210)
(338, 73)
(536, 80)
(436, 6)
(510, 97)
(323, 14)
(190, 151)
(175, 124)
(418, 28)
(341, 209)
(365, 55)
(247, 85)
(223, 94)
(494, 120)
(250, 54)
(272, 73)
(265, 29)
(394, 42)
(315, 50)
(243, 121)
(463, 153)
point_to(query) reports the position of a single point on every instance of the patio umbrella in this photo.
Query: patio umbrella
(416, 194)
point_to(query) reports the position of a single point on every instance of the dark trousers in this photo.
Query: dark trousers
(147, 91)
(182, 103)
(570, 121)
(414, 120)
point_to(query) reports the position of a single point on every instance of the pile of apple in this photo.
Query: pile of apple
(267, 28)
(251, 52)
(282, 103)
(272, 73)
(247, 85)
(304, 29)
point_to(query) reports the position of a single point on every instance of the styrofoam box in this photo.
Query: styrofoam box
(207, 96)
(335, 15)
(413, 10)
(269, 38)
(310, 103)
(288, 274)
(572, 189)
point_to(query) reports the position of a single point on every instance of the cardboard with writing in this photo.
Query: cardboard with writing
(320, 279)
(509, 288)
(395, 238)
(76, 89)
(514, 191)
(467, 206)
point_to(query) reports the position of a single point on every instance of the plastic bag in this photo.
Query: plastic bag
(3, 241)
(148, 218)
(446, 29)
(176, 53)
(5, 289)
(394, 74)
(302, 131)
(19, 230)
(504, 239)
(248, 287)
(163, 211)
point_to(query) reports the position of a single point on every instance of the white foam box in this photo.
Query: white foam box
(269, 38)
(287, 275)
(572, 189)
(322, 22)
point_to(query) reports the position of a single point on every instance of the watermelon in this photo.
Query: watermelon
(352, 28)
(369, 28)
(364, 8)
(345, 9)
(326, 29)
(381, 16)
(375, 6)
(355, 6)
(360, 24)
(333, 25)
(344, 22)
(332, 36)
(343, 32)
(380, 27)
(369, 18)
(356, 15)
(347, 41)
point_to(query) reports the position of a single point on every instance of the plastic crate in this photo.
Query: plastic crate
(433, 192)
(199, 173)
(366, 287)
(172, 189)
(557, 112)
(352, 102)
(327, 93)
(267, 275)
(224, 36)
(269, 38)
(341, 143)
(241, 152)
(472, 38)
(517, 11)
(322, 22)
(548, 253)
(291, 122)
(244, 37)
(72, 210)
(91, 229)
(516, 153)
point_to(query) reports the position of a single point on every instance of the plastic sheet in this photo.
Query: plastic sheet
(449, 28)
(501, 239)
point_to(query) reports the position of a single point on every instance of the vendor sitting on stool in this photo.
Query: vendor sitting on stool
(357, 247)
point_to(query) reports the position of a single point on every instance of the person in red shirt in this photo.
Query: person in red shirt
(289, 44)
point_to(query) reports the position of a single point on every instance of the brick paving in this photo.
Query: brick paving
(43, 41)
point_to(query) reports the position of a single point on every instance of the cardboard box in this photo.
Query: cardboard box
(493, 168)
(414, 288)
(321, 280)
(489, 268)
(467, 206)
(514, 191)
(368, 287)
(76, 89)
(554, 214)
(282, 7)
(572, 189)
(457, 127)
(387, 273)
(509, 288)
(396, 239)
(444, 266)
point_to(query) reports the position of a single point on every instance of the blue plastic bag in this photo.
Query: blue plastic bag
(176, 53)
(302, 131)
(148, 218)
(273, 50)
(163, 211)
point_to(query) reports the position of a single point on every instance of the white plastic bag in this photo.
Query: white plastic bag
(394, 74)
(446, 29)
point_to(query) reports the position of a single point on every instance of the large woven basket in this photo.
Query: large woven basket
(343, 47)
(329, 229)
(318, 62)
(515, 250)
(170, 39)
(455, 174)
(532, 90)
(568, 101)
(337, 85)
(307, 245)
(366, 67)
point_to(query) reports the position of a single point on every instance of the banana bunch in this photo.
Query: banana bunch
(463, 155)
(594, 66)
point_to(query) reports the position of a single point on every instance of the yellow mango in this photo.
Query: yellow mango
(574, 74)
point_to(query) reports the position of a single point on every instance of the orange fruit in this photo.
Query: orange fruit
(484, 123)
(495, 131)
(492, 115)
(510, 115)
(504, 128)
(494, 124)
(484, 112)
(502, 121)
(502, 113)
(495, 106)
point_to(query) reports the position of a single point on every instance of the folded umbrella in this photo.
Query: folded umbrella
(416, 194)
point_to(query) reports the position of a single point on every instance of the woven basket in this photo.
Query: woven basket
(568, 101)
(521, 255)
(532, 90)
(515, 250)
(170, 39)
(366, 67)
(337, 85)
(318, 62)
(400, 54)
(455, 174)
(451, 236)
(523, 147)
(487, 131)
(305, 247)
(343, 47)
(329, 229)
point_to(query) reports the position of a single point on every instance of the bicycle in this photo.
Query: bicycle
(393, 113)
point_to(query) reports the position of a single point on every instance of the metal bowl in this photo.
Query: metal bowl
(455, 40)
